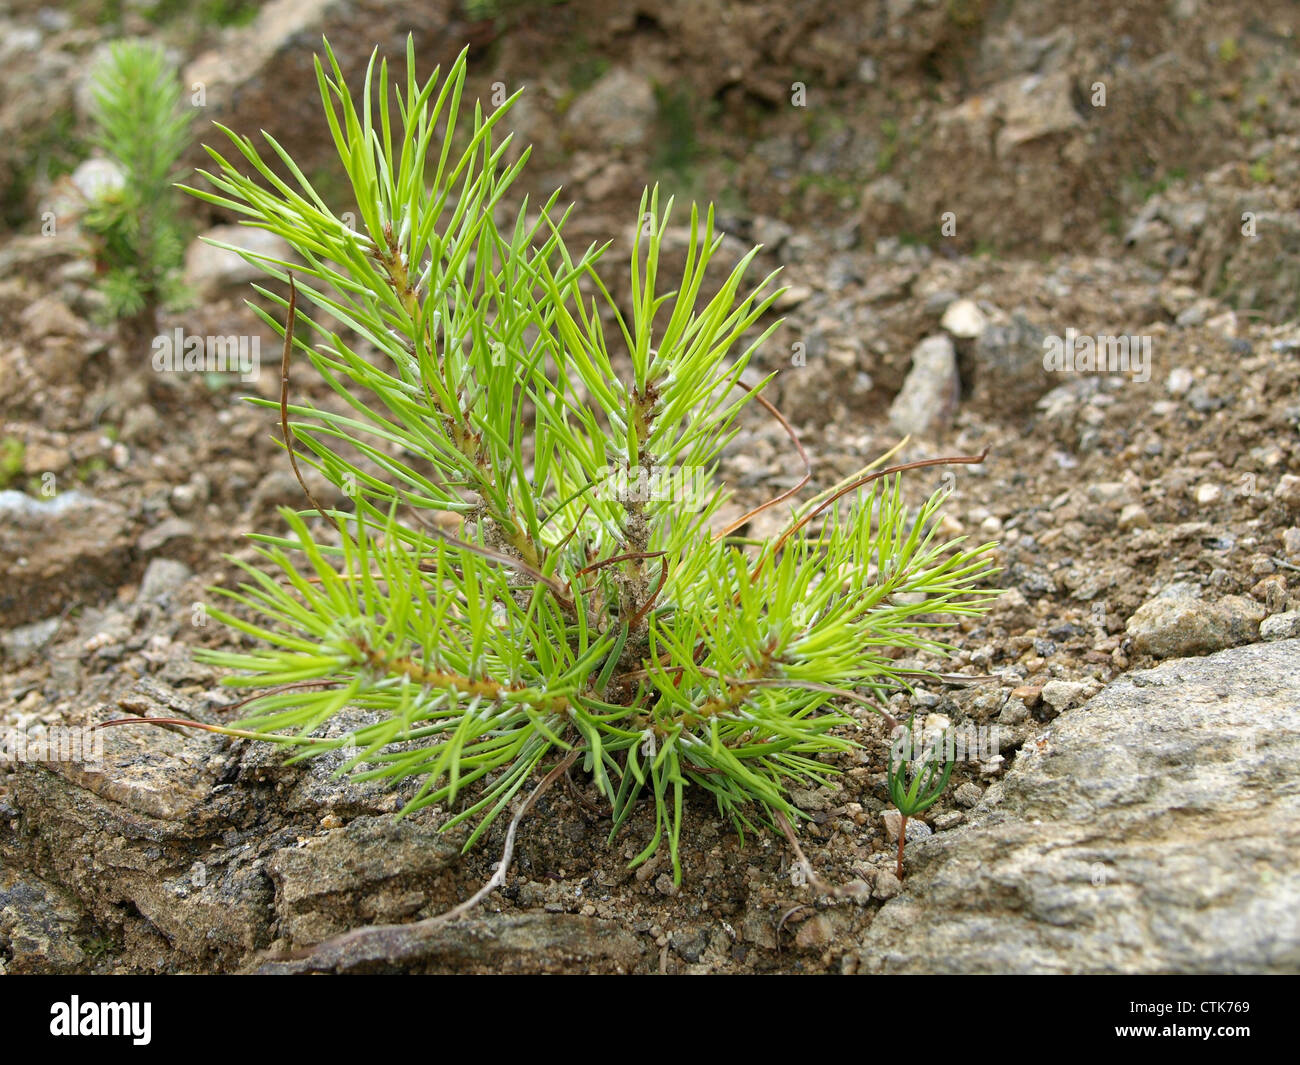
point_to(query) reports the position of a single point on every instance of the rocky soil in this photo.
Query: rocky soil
(1141, 812)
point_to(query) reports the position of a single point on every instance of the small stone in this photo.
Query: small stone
(1287, 491)
(48, 316)
(808, 799)
(964, 319)
(163, 576)
(165, 532)
(814, 934)
(665, 886)
(915, 829)
(1063, 694)
(857, 890)
(1290, 542)
(937, 302)
(1203, 401)
(141, 424)
(1134, 516)
(25, 643)
(770, 232)
(892, 819)
(968, 795)
(96, 177)
(183, 497)
(1112, 492)
(928, 398)
(951, 819)
(1180, 379)
(209, 269)
(792, 297)
(618, 110)
(1207, 494)
(41, 458)
(936, 723)
(887, 885)
(688, 945)
(1271, 591)
(1280, 626)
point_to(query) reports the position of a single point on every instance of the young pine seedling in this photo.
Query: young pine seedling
(930, 773)
(137, 239)
(526, 577)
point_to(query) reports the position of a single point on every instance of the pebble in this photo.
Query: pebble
(792, 297)
(1291, 542)
(141, 424)
(48, 317)
(665, 886)
(1207, 494)
(968, 795)
(809, 799)
(1063, 694)
(1134, 516)
(815, 933)
(1280, 626)
(928, 398)
(1287, 491)
(21, 645)
(1271, 591)
(1180, 379)
(1203, 402)
(1113, 492)
(936, 724)
(209, 269)
(163, 576)
(964, 319)
(915, 829)
(166, 531)
(97, 177)
(887, 885)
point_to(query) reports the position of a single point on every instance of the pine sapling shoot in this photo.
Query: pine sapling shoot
(136, 236)
(510, 587)
(924, 790)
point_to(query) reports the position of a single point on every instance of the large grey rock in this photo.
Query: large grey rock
(493, 944)
(1155, 831)
(191, 853)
